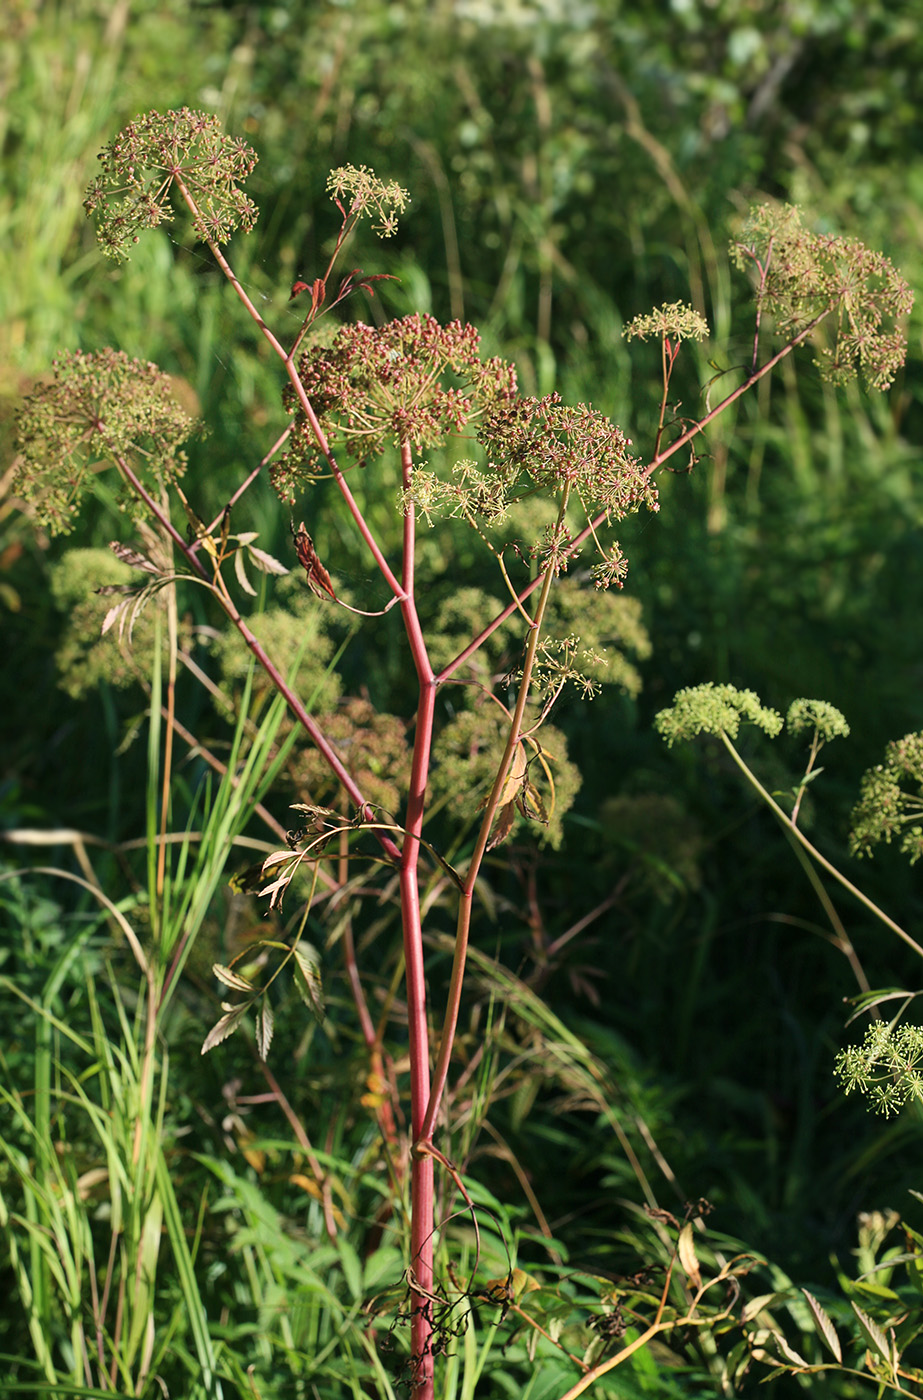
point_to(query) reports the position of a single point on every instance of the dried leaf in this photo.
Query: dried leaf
(317, 576)
(274, 859)
(319, 818)
(511, 1286)
(131, 605)
(316, 1192)
(137, 609)
(503, 826)
(376, 1091)
(509, 797)
(276, 889)
(524, 1283)
(286, 864)
(515, 778)
(254, 1156)
(132, 557)
(685, 1252)
(307, 1184)
(529, 801)
(197, 524)
(112, 614)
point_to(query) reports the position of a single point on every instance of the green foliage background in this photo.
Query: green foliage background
(571, 164)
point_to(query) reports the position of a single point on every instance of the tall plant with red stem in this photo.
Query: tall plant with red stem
(408, 388)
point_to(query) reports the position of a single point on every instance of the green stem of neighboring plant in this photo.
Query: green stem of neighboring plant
(466, 904)
(815, 854)
(839, 938)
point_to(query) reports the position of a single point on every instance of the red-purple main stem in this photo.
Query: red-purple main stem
(422, 1164)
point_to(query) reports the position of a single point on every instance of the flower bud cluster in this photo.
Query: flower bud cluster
(411, 381)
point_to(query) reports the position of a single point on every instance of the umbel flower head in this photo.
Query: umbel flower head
(544, 448)
(546, 445)
(886, 1067)
(99, 409)
(544, 442)
(672, 321)
(367, 195)
(891, 801)
(153, 154)
(806, 276)
(714, 709)
(412, 381)
(817, 716)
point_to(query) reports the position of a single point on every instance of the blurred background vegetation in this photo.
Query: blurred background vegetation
(571, 163)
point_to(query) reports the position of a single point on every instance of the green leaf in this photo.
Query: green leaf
(231, 978)
(194, 1307)
(225, 1027)
(263, 561)
(308, 978)
(824, 1326)
(241, 573)
(877, 1291)
(264, 1029)
(788, 1352)
(874, 1336)
(762, 1303)
(146, 1276)
(867, 1000)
